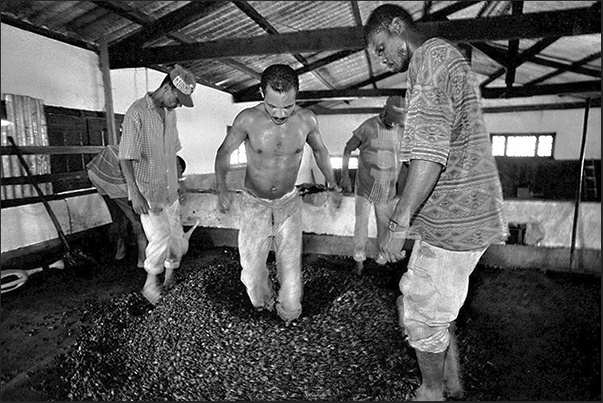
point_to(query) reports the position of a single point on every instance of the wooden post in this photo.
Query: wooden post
(104, 59)
(579, 192)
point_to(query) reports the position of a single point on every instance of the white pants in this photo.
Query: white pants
(167, 243)
(383, 212)
(265, 223)
(434, 289)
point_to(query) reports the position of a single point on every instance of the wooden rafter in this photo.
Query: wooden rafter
(570, 22)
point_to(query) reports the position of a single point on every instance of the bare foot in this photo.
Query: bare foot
(152, 293)
(142, 242)
(120, 249)
(381, 260)
(168, 281)
(358, 268)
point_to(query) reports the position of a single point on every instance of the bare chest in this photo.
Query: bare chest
(277, 141)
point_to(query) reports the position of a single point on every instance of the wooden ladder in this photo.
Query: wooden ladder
(590, 190)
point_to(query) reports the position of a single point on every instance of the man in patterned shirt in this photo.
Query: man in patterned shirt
(104, 171)
(452, 201)
(147, 151)
(378, 141)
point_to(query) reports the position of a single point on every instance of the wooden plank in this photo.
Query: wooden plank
(53, 150)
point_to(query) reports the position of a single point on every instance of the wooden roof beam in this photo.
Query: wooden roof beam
(578, 21)
(500, 92)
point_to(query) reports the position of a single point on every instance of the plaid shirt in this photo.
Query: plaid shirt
(152, 145)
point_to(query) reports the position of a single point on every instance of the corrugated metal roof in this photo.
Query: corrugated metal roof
(254, 34)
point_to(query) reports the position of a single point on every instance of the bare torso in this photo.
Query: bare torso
(274, 154)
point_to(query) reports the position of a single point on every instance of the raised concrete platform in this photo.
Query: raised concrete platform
(328, 230)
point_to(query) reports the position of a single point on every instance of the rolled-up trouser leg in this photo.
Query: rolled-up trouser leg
(158, 231)
(434, 287)
(178, 244)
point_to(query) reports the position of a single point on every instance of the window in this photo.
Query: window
(239, 156)
(523, 145)
(337, 162)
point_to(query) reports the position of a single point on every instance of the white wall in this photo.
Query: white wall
(202, 128)
(57, 73)
(66, 76)
(567, 124)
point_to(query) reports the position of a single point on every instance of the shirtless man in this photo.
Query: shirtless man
(274, 133)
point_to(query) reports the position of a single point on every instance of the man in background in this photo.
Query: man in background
(274, 132)
(104, 171)
(378, 140)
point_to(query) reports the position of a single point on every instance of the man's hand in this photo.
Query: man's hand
(336, 196)
(346, 183)
(224, 201)
(392, 244)
(139, 203)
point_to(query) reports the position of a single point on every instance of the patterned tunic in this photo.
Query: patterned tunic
(153, 146)
(105, 173)
(444, 125)
(378, 160)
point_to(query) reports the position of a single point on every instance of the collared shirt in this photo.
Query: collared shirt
(444, 124)
(152, 145)
(378, 160)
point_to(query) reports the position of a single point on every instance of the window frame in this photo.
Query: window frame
(515, 135)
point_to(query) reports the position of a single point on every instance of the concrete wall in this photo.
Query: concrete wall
(31, 224)
(323, 218)
(566, 124)
(551, 221)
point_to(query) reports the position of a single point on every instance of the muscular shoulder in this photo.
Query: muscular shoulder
(248, 116)
(305, 114)
(308, 118)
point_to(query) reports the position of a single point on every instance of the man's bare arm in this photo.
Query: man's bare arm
(139, 202)
(352, 144)
(234, 138)
(321, 154)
